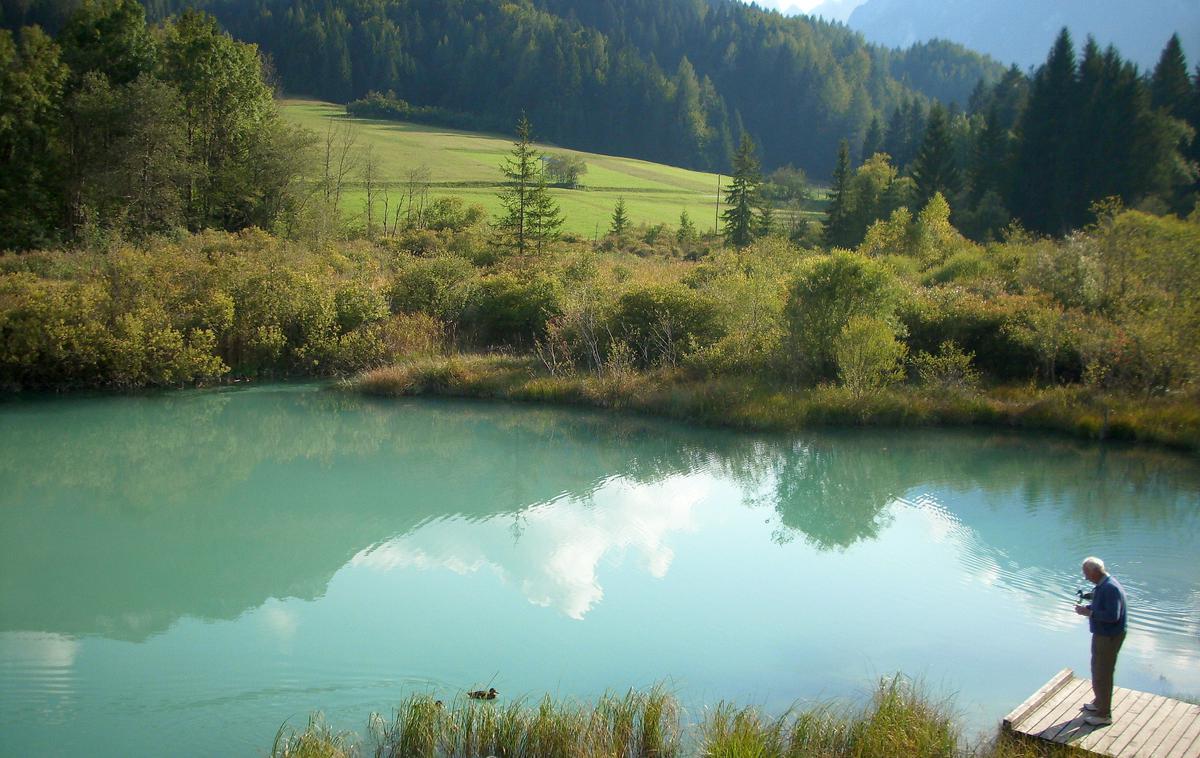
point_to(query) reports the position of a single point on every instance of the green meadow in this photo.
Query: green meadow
(467, 164)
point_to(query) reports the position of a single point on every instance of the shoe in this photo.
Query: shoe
(1098, 720)
(1089, 707)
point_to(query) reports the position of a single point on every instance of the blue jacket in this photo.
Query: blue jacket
(1108, 608)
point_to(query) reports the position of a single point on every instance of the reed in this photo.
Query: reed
(902, 720)
(1171, 420)
(634, 725)
(318, 740)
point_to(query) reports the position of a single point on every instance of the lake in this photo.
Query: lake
(181, 573)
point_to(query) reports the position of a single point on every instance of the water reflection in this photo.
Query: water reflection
(124, 515)
(551, 552)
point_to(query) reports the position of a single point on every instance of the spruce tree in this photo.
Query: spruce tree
(687, 229)
(1046, 151)
(935, 169)
(531, 216)
(839, 215)
(545, 218)
(620, 219)
(742, 195)
(989, 157)
(1170, 88)
(873, 141)
(766, 220)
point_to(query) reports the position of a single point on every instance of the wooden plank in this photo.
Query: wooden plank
(1034, 701)
(1129, 702)
(1064, 710)
(1167, 719)
(1152, 719)
(1127, 724)
(1045, 715)
(1033, 721)
(1188, 745)
(1122, 699)
(1176, 732)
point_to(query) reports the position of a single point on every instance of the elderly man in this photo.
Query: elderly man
(1106, 618)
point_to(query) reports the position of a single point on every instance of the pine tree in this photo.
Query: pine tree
(620, 219)
(742, 195)
(989, 157)
(766, 220)
(839, 214)
(520, 169)
(545, 218)
(1170, 88)
(687, 229)
(1046, 146)
(935, 168)
(873, 141)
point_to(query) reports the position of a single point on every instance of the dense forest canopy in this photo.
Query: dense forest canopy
(675, 82)
(121, 122)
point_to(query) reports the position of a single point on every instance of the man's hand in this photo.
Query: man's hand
(1083, 610)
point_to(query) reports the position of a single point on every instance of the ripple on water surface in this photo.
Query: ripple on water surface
(238, 559)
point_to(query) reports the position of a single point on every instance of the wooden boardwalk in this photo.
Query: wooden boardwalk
(1144, 725)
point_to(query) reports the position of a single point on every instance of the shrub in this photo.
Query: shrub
(979, 325)
(437, 286)
(949, 370)
(663, 323)
(357, 304)
(824, 296)
(506, 310)
(453, 214)
(869, 357)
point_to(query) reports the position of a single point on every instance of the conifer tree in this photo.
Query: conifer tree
(766, 220)
(620, 219)
(545, 218)
(531, 217)
(687, 229)
(989, 157)
(935, 168)
(839, 214)
(873, 141)
(1170, 88)
(742, 195)
(1043, 165)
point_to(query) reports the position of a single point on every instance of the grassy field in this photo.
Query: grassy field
(466, 164)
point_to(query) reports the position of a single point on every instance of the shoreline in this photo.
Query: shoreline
(748, 404)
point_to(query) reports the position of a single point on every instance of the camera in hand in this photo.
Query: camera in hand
(1083, 596)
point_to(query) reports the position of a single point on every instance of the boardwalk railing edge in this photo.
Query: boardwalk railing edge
(1045, 692)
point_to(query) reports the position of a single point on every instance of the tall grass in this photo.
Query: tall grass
(745, 402)
(318, 740)
(900, 721)
(633, 725)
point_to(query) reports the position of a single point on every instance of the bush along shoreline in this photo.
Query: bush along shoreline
(899, 721)
(1097, 336)
(750, 404)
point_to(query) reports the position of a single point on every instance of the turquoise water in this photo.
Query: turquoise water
(182, 573)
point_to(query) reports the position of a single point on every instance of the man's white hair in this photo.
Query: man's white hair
(1094, 562)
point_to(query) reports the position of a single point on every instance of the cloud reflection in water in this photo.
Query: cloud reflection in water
(552, 551)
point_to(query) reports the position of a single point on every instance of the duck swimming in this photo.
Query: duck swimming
(490, 694)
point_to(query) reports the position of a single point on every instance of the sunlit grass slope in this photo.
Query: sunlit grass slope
(466, 164)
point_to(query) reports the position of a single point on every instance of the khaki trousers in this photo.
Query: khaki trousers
(1104, 662)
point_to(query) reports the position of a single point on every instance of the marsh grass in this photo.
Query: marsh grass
(318, 740)
(750, 403)
(633, 725)
(901, 720)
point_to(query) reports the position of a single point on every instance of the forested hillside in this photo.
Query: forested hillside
(674, 81)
